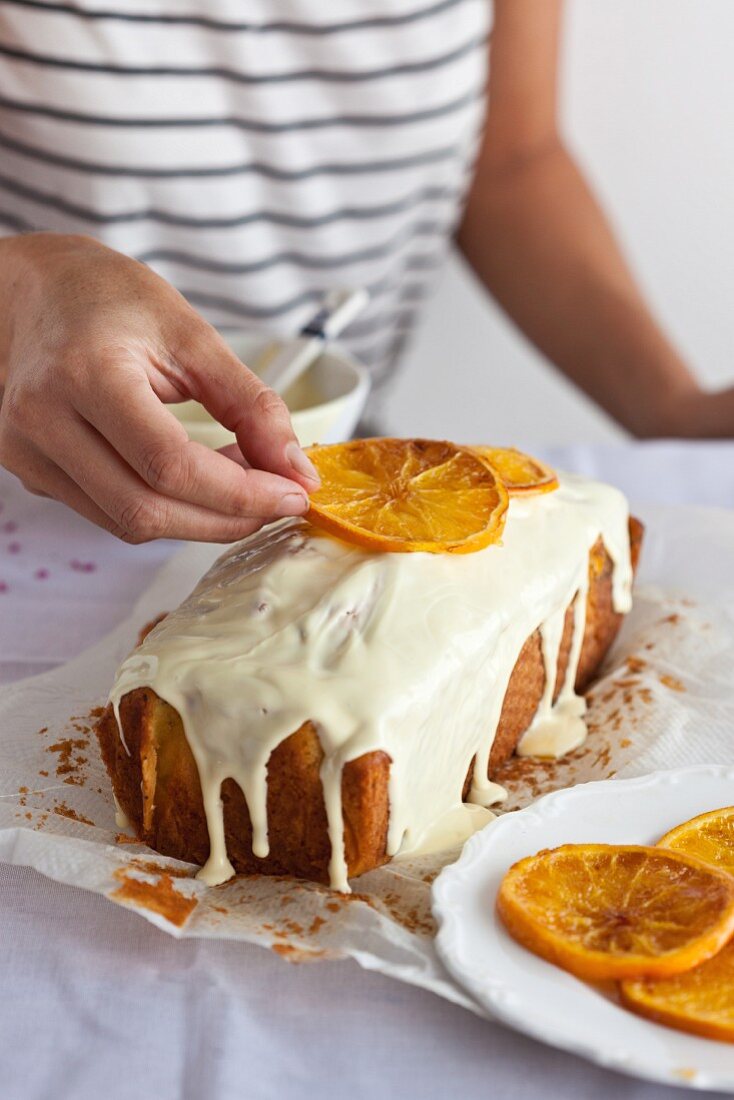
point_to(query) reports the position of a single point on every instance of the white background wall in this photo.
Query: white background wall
(649, 110)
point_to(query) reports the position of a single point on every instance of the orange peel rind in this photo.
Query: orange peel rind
(522, 474)
(700, 1001)
(408, 495)
(605, 911)
(709, 837)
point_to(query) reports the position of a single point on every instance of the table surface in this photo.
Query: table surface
(97, 1002)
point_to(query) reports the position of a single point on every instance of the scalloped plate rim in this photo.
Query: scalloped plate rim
(493, 994)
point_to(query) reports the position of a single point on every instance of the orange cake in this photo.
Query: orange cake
(317, 708)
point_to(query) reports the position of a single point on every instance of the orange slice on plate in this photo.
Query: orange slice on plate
(404, 495)
(522, 474)
(709, 837)
(700, 1001)
(618, 911)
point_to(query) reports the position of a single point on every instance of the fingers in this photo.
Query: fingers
(99, 485)
(242, 403)
(234, 454)
(43, 478)
(155, 445)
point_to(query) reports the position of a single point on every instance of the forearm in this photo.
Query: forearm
(537, 238)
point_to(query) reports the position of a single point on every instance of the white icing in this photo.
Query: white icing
(559, 727)
(406, 653)
(121, 819)
(452, 827)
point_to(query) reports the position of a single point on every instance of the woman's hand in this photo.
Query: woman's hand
(697, 414)
(92, 346)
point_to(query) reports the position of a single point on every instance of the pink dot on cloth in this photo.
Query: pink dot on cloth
(82, 566)
(13, 547)
(3, 587)
(41, 574)
(9, 527)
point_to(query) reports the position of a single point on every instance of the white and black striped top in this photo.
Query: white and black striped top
(254, 152)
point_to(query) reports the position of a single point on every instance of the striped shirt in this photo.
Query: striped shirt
(253, 153)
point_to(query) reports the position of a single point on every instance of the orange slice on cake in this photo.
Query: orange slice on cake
(618, 911)
(522, 474)
(709, 837)
(700, 1001)
(403, 495)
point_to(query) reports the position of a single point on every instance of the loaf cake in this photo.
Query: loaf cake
(316, 709)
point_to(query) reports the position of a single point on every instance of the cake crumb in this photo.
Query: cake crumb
(123, 838)
(69, 764)
(159, 897)
(686, 1073)
(150, 867)
(296, 954)
(68, 811)
(672, 683)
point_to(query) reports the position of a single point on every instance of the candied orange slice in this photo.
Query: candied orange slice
(700, 1001)
(618, 911)
(709, 837)
(522, 474)
(407, 495)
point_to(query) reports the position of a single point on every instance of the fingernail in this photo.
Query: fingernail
(292, 504)
(301, 463)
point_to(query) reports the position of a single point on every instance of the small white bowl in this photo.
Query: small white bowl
(325, 403)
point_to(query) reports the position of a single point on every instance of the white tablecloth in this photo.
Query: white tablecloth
(95, 1002)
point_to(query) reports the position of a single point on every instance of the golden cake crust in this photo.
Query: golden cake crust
(157, 782)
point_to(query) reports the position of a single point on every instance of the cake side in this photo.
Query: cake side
(158, 786)
(528, 676)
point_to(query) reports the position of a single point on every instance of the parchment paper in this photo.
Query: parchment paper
(666, 699)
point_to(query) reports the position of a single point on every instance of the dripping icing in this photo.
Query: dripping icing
(121, 819)
(558, 727)
(405, 653)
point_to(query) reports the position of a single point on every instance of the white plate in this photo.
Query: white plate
(537, 998)
(325, 403)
